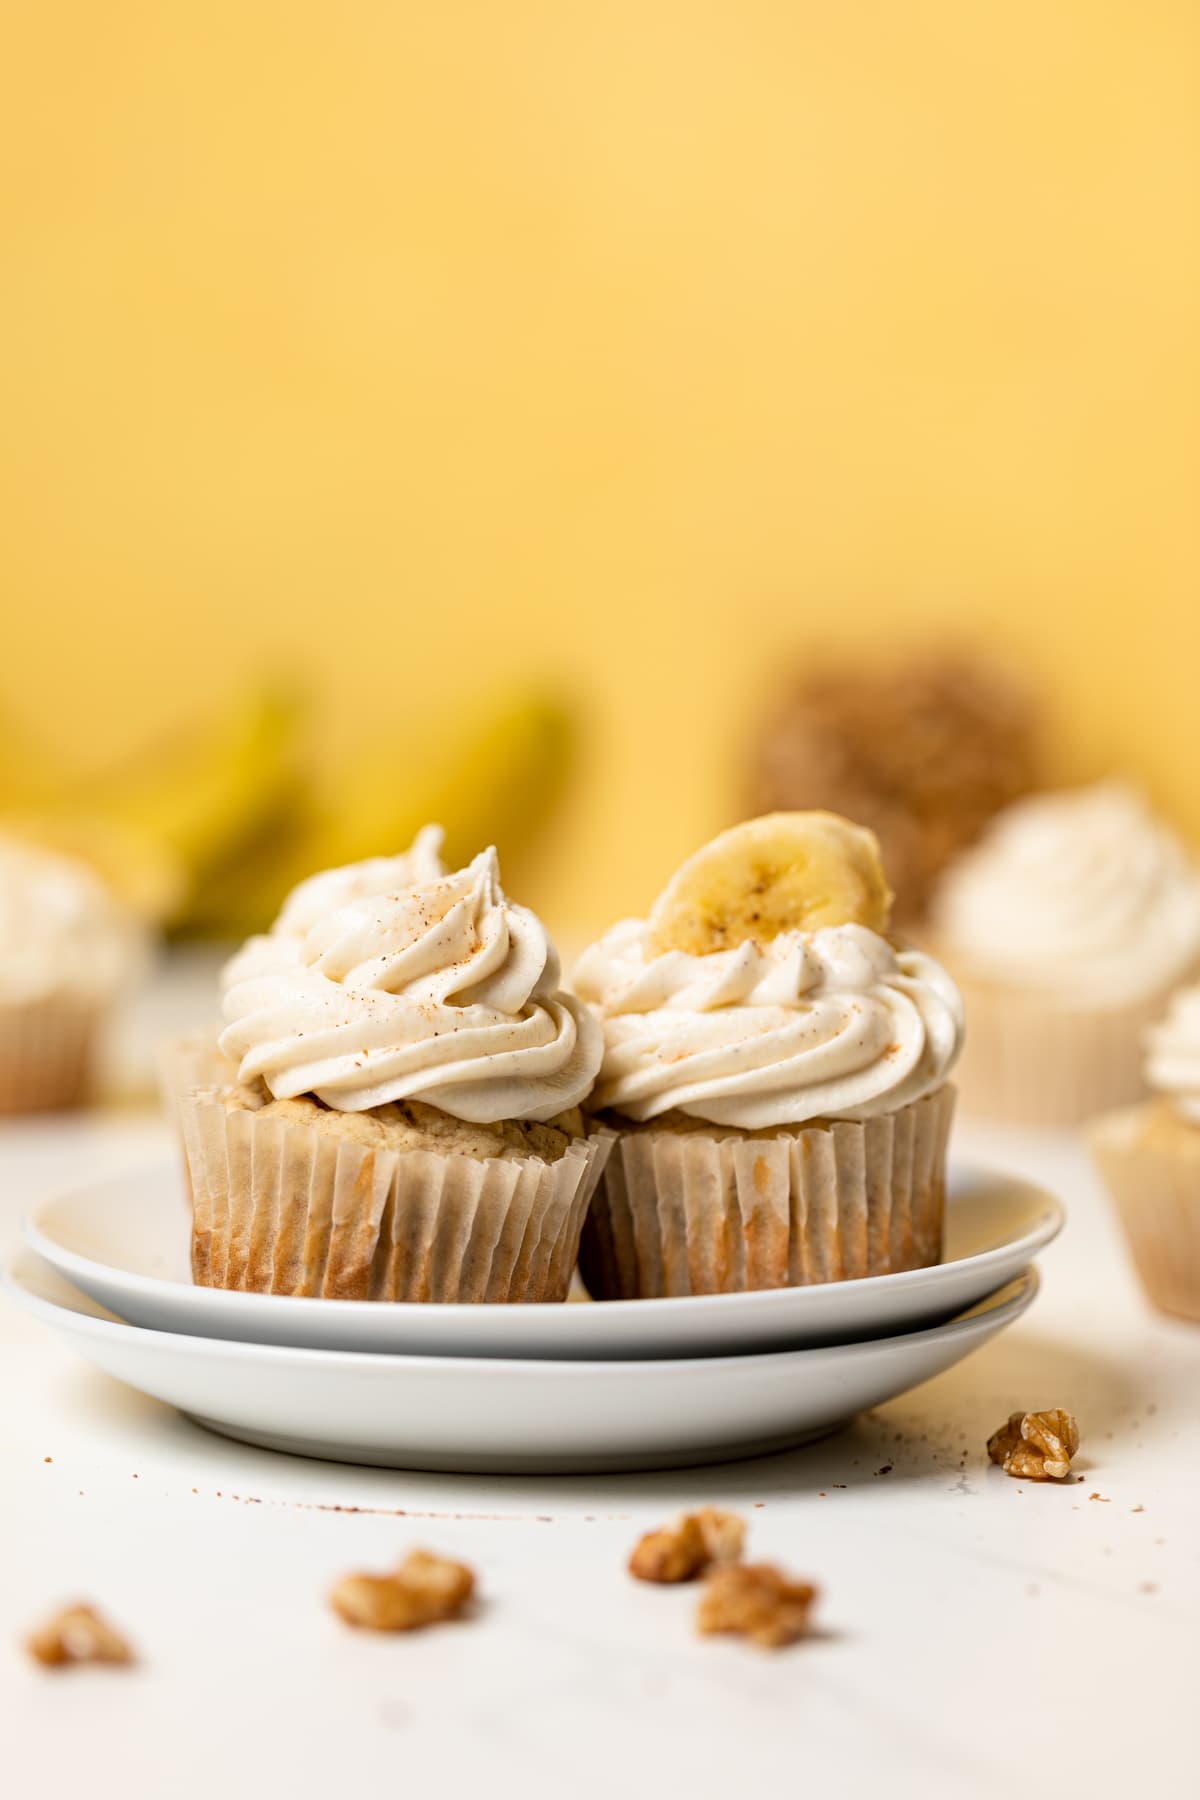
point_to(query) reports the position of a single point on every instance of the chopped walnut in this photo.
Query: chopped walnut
(77, 1634)
(1036, 1446)
(695, 1543)
(757, 1601)
(423, 1590)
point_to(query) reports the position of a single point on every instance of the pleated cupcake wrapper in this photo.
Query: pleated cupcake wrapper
(284, 1208)
(1155, 1189)
(1028, 1061)
(689, 1213)
(46, 1053)
(187, 1063)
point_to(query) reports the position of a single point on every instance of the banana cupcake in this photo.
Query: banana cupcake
(196, 1059)
(1149, 1156)
(1066, 929)
(776, 1071)
(66, 949)
(404, 1123)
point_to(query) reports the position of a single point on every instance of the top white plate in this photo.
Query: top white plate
(125, 1242)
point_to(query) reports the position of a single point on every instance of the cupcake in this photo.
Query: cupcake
(1149, 1156)
(196, 1059)
(1066, 928)
(776, 1072)
(404, 1123)
(66, 949)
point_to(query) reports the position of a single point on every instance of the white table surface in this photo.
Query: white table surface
(979, 1635)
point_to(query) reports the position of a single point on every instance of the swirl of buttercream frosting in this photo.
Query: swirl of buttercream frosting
(1084, 894)
(61, 931)
(1173, 1054)
(436, 987)
(830, 1024)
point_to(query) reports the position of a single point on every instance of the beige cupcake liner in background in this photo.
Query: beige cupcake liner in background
(702, 1212)
(281, 1207)
(1030, 1061)
(1155, 1187)
(47, 1053)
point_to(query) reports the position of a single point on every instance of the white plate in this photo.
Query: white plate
(124, 1241)
(497, 1415)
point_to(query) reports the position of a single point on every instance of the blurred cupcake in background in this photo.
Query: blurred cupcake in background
(67, 948)
(776, 1072)
(401, 1117)
(1149, 1156)
(922, 751)
(1066, 928)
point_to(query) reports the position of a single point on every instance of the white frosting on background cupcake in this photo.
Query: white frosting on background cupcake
(1083, 894)
(1173, 1055)
(827, 1024)
(61, 931)
(392, 980)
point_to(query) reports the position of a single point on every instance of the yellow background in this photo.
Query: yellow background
(440, 347)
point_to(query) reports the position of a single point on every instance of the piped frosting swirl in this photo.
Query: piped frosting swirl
(433, 986)
(61, 931)
(829, 1024)
(1083, 894)
(1173, 1055)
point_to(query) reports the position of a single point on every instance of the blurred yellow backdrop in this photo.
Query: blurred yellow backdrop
(439, 348)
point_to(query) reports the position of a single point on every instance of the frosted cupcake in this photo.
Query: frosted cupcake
(1066, 929)
(776, 1071)
(66, 949)
(196, 1059)
(405, 1120)
(1149, 1156)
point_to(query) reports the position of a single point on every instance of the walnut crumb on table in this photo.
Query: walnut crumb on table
(1036, 1446)
(77, 1634)
(756, 1601)
(695, 1543)
(423, 1590)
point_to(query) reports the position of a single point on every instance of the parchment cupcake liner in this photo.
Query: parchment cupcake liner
(1153, 1180)
(712, 1212)
(190, 1062)
(47, 1050)
(281, 1207)
(1031, 1061)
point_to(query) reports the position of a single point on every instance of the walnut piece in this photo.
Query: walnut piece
(1036, 1446)
(77, 1634)
(423, 1590)
(756, 1601)
(695, 1543)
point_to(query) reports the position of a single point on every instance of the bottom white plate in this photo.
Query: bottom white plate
(498, 1416)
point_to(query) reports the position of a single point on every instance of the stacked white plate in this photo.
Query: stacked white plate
(554, 1389)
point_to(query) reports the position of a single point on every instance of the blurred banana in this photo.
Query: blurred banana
(493, 785)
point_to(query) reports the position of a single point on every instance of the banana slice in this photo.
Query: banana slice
(784, 872)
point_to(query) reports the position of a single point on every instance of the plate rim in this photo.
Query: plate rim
(1022, 1289)
(1048, 1226)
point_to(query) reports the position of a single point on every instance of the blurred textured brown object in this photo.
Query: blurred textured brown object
(424, 1590)
(77, 1634)
(694, 1543)
(924, 752)
(756, 1601)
